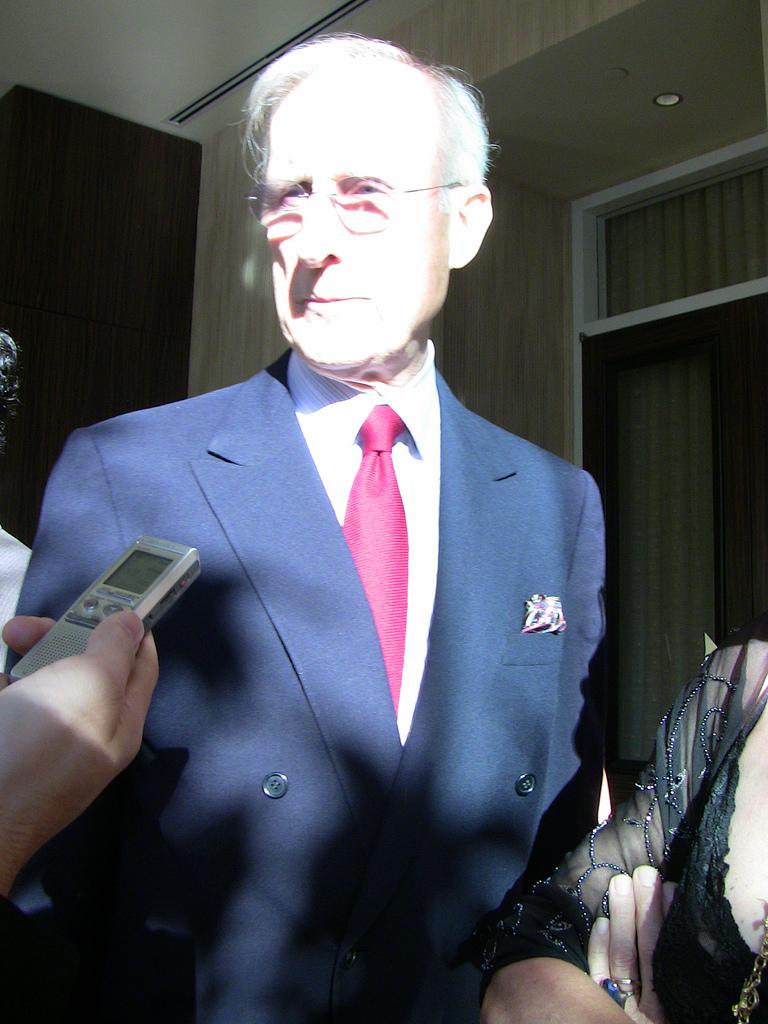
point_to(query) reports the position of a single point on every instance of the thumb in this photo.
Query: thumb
(129, 658)
(114, 643)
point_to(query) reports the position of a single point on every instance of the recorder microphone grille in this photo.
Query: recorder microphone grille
(63, 641)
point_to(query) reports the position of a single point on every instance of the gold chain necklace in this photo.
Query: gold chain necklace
(749, 997)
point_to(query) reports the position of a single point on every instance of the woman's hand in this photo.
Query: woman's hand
(621, 950)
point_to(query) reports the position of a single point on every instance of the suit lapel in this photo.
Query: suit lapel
(262, 485)
(470, 611)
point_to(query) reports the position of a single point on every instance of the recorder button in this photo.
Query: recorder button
(110, 609)
(88, 616)
(90, 610)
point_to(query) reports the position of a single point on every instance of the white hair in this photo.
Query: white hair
(464, 147)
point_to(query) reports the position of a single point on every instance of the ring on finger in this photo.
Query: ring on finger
(628, 986)
(613, 990)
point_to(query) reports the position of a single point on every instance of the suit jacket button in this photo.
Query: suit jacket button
(349, 957)
(275, 785)
(525, 784)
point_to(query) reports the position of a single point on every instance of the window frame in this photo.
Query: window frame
(588, 216)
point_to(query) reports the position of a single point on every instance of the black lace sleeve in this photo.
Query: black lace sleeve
(653, 827)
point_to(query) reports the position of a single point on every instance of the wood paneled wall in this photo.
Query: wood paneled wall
(504, 338)
(234, 327)
(97, 223)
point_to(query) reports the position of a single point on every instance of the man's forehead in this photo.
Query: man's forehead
(373, 117)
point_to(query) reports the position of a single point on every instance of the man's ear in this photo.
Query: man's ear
(470, 220)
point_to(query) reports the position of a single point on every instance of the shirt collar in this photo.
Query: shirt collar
(342, 409)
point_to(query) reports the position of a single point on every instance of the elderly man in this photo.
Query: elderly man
(357, 745)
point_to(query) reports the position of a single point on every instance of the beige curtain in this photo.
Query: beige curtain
(710, 237)
(665, 524)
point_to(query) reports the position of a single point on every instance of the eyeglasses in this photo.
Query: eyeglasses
(363, 205)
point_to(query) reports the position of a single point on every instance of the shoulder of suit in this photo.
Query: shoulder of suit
(204, 410)
(495, 439)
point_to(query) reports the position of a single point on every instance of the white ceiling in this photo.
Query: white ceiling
(568, 127)
(144, 60)
(564, 125)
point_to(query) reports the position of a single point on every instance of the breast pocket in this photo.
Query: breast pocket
(532, 649)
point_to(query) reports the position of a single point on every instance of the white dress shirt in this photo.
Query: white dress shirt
(330, 415)
(13, 564)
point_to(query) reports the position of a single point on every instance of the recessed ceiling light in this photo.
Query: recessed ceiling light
(616, 74)
(667, 99)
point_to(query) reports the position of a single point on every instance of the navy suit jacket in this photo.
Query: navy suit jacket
(193, 889)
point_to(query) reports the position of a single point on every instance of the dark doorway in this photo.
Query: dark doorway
(676, 435)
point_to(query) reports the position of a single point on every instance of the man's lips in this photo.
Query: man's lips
(322, 300)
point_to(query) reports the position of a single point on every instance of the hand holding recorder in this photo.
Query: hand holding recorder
(67, 729)
(76, 720)
(74, 715)
(148, 578)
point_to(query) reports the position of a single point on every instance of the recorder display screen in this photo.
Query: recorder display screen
(138, 572)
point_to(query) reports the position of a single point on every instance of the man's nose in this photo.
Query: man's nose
(319, 235)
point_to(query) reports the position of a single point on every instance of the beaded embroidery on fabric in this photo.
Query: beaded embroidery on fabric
(677, 820)
(701, 958)
(687, 742)
(654, 827)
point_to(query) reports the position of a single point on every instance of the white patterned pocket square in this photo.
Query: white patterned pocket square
(543, 614)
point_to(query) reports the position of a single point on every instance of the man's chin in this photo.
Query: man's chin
(341, 366)
(360, 371)
(339, 354)
(329, 350)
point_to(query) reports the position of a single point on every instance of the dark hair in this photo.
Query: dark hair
(9, 381)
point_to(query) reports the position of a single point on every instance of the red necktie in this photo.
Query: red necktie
(377, 535)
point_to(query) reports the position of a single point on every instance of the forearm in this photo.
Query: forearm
(547, 991)
(66, 730)
(12, 860)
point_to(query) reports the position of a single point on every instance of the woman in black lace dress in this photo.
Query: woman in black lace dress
(699, 814)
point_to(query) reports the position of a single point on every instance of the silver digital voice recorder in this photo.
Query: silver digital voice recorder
(147, 579)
